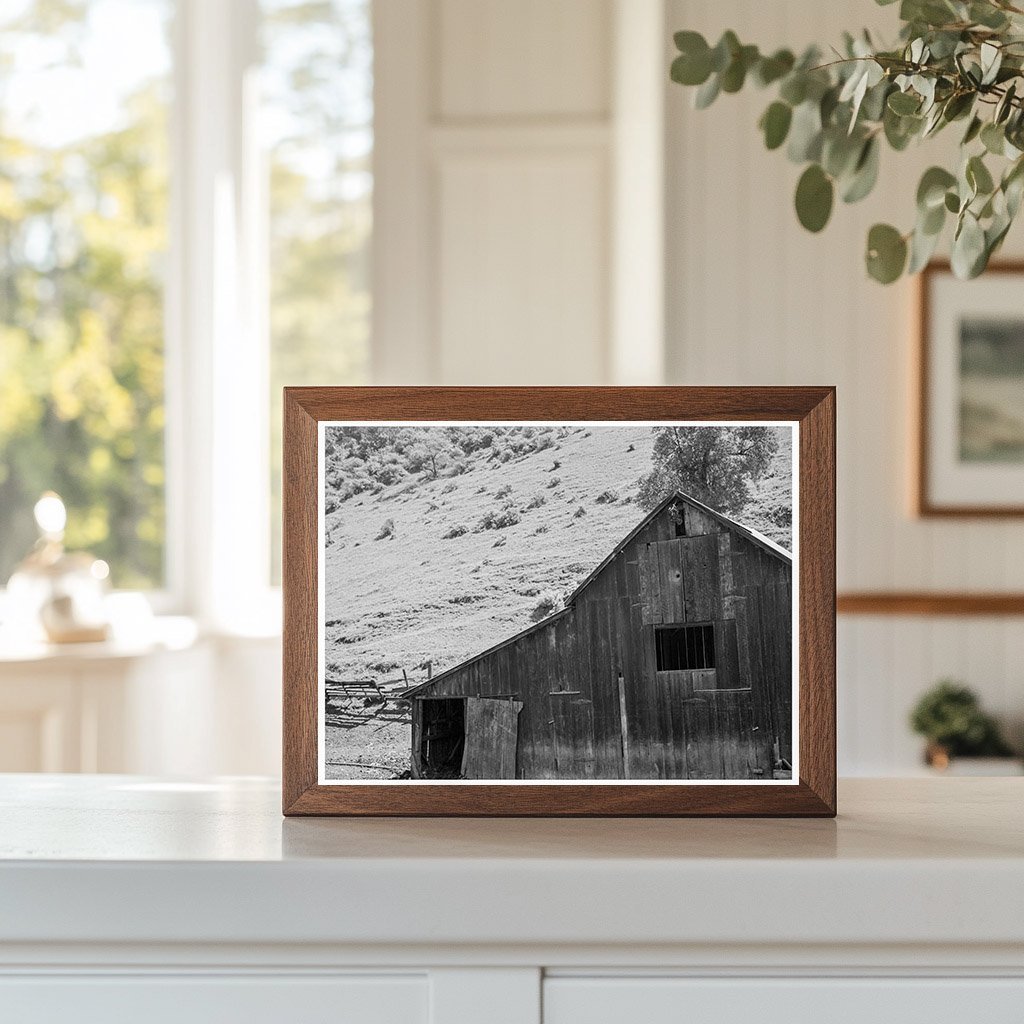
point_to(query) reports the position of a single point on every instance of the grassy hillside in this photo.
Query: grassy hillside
(436, 570)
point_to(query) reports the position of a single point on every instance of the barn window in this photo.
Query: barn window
(679, 648)
(678, 521)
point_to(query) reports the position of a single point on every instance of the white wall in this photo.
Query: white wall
(754, 299)
(515, 243)
(499, 205)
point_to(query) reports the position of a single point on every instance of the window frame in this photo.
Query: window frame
(687, 627)
(215, 319)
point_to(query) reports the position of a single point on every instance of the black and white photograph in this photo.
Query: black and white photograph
(550, 601)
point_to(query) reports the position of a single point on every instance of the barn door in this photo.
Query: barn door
(572, 735)
(679, 580)
(492, 736)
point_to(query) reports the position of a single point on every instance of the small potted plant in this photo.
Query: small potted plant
(950, 718)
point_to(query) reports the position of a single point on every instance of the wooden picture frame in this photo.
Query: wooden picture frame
(811, 411)
(932, 470)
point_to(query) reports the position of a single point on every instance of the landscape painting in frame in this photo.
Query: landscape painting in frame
(557, 602)
(972, 393)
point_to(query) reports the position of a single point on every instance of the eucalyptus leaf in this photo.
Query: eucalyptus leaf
(903, 103)
(724, 51)
(775, 124)
(973, 130)
(840, 152)
(991, 61)
(922, 248)
(993, 138)
(978, 176)
(691, 70)
(931, 190)
(794, 88)
(814, 196)
(968, 248)
(707, 93)
(900, 130)
(771, 69)
(735, 74)
(865, 174)
(957, 106)
(886, 253)
(1005, 105)
(932, 220)
(805, 133)
(987, 15)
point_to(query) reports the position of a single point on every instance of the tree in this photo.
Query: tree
(82, 230)
(715, 465)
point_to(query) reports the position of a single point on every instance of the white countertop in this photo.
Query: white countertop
(121, 859)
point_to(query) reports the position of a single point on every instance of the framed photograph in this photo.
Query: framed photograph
(559, 601)
(970, 450)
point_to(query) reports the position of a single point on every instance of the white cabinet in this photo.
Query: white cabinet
(829, 1000)
(127, 899)
(202, 999)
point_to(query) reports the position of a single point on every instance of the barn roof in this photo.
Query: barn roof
(676, 496)
(752, 535)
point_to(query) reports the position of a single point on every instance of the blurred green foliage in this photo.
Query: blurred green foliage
(950, 716)
(82, 230)
(83, 238)
(956, 61)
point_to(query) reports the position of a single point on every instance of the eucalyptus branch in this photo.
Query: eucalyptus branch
(955, 61)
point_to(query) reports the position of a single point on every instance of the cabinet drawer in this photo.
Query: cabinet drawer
(202, 999)
(661, 1000)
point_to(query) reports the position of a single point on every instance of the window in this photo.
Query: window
(185, 225)
(679, 648)
(83, 238)
(317, 122)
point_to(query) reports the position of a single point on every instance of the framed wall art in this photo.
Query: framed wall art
(559, 601)
(970, 444)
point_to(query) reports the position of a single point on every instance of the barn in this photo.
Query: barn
(671, 660)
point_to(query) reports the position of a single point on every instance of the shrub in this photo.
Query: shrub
(548, 603)
(507, 515)
(499, 543)
(536, 501)
(950, 716)
(448, 488)
(387, 530)
(607, 498)
(543, 528)
(455, 531)
(554, 482)
(503, 492)
(631, 448)
(579, 513)
(556, 465)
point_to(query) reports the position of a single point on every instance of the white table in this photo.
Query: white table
(125, 898)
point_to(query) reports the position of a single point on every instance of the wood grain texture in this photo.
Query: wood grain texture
(923, 503)
(926, 603)
(812, 407)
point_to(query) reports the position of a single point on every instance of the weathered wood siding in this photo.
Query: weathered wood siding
(696, 724)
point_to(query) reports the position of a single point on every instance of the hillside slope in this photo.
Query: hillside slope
(415, 577)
